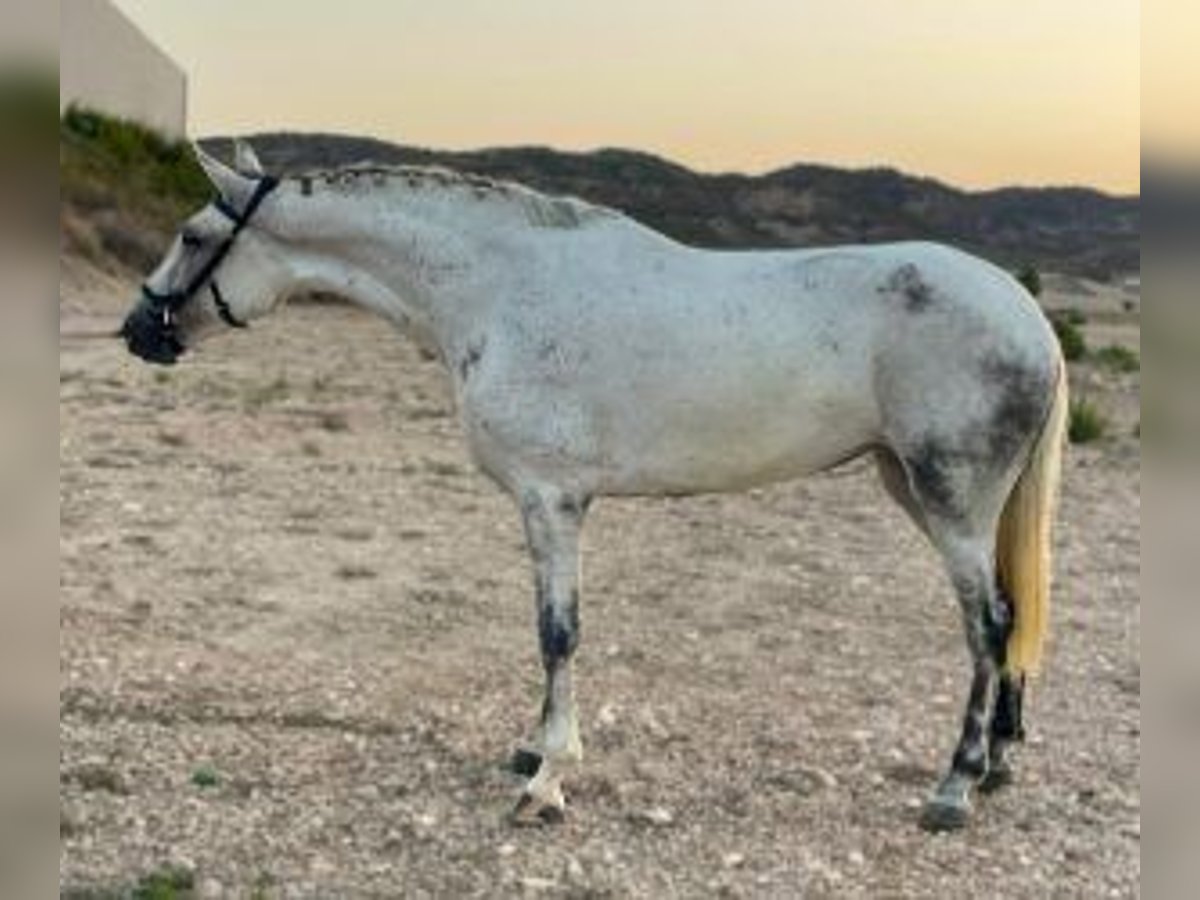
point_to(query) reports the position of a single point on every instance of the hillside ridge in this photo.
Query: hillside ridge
(1072, 229)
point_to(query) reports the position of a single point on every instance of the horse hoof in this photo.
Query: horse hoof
(525, 762)
(997, 777)
(940, 816)
(531, 812)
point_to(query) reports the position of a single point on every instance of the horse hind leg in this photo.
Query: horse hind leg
(956, 499)
(986, 624)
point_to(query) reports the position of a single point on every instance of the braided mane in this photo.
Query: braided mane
(537, 208)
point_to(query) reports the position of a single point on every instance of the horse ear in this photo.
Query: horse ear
(234, 188)
(245, 160)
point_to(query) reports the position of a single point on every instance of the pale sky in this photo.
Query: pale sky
(978, 93)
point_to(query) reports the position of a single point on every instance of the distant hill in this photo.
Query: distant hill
(1073, 230)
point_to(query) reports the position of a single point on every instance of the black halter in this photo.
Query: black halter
(168, 304)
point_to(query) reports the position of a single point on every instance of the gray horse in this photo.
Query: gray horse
(592, 356)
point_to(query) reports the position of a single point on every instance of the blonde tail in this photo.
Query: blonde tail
(1023, 541)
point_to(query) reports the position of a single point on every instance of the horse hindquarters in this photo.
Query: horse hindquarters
(981, 485)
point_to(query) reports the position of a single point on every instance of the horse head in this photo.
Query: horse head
(221, 270)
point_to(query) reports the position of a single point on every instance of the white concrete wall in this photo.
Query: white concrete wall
(107, 64)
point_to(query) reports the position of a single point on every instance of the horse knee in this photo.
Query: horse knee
(558, 630)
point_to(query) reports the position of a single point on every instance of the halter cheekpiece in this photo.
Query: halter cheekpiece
(169, 303)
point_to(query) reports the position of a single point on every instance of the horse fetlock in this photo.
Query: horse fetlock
(542, 802)
(525, 762)
(1000, 772)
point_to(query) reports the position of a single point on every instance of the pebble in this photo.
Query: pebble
(655, 815)
(856, 858)
(823, 777)
(733, 860)
(210, 889)
(573, 871)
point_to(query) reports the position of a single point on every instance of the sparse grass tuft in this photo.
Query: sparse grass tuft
(334, 421)
(165, 883)
(261, 395)
(1087, 423)
(205, 777)
(1070, 338)
(1031, 280)
(1118, 359)
(356, 572)
(100, 777)
(444, 468)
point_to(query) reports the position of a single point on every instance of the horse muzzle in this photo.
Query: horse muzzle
(151, 335)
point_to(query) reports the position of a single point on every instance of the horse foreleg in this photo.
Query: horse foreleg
(553, 520)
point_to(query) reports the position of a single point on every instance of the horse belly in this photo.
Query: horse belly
(728, 431)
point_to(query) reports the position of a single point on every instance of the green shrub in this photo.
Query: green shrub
(166, 883)
(205, 777)
(1087, 423)
(1070, 338)
(1074, 316)
(1031, 280)
(112, 164)
(1118, 358)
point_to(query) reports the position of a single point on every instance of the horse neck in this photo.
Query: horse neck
(406, 262)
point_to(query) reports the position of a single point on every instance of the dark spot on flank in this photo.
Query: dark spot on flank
(930, 468)
(1022, 401)
(907, 282)
(471, 357)
(306, 186)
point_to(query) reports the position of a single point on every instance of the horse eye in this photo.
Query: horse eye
(190, 240)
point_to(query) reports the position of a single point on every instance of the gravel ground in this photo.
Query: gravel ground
(297, 647)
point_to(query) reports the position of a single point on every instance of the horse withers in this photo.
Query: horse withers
(591, 356)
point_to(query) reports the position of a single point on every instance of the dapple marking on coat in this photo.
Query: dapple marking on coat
(591, 356)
